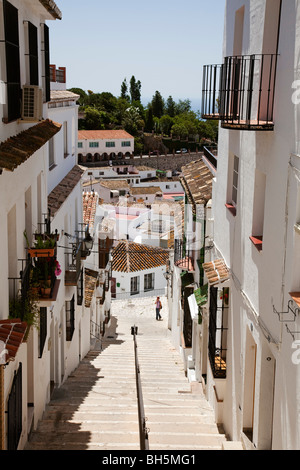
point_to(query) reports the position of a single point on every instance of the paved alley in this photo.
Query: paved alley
(96, 408)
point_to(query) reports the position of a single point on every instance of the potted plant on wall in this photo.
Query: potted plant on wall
(43, 248)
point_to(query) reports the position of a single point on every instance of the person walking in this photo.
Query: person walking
(158, 308)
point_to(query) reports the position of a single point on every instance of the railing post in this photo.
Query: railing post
(144, 442)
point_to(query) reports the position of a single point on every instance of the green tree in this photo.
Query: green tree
(179, 130)
(170, 107)
(183, 106)
(124, 90)
(135, 89)
(166, 123)
(132, 121)
(149, 124)
(95, 119)
(158, 105)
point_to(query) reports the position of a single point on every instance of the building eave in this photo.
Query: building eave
(52, 8)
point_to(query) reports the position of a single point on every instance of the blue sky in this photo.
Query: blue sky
(163, 43)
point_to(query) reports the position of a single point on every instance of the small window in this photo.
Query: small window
(148, 282)
(110, 144)
(65, 129)
(70, 319)
(51, 153)
(134, 285)
(80, 145)
(94, 144)
(235, 180)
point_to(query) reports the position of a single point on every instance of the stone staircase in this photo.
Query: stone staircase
(96, 408)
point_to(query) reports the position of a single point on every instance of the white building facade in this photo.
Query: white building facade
(253, 374)
(104, 145)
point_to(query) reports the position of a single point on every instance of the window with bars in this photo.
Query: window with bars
(42, 330)
(218, 327)
(235, 180)
(11, 31)
(80, 288)
(70, 318)
(14, 411)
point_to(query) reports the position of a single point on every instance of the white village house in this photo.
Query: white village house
(43, 335)
(138, 270)
(250, 370)
(104, 145)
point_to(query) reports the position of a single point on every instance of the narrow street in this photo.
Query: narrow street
(96, 408)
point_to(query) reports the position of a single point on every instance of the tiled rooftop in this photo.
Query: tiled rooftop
(216, 271)
(132, 257)
(91, 278)
(61, 192)
(145, 190)
(185, 263)
(12, 333)
(197, 182)
(90, 201)
(115, 184)
(17, 149)
(63, 95)
(103, 135)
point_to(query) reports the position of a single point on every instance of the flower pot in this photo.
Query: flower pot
(41, 252)
(46, 292)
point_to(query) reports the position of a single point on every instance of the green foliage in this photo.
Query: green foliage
(105, 111)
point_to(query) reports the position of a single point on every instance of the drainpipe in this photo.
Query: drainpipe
(2, 414)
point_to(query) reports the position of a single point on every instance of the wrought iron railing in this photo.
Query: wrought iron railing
(211, 155)
(218, 327)
(241, 91)
(211, 86)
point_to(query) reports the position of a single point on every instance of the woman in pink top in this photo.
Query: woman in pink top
(158, 308)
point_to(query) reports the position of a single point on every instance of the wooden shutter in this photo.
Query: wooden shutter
(33, 54)
(11, 28)
(47, 62)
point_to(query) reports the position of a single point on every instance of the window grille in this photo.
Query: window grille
(14, 406)
(70, 319)
(218, 327)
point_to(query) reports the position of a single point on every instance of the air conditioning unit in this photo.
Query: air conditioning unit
(32, 103)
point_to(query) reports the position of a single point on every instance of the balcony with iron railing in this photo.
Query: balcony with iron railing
(240, 92)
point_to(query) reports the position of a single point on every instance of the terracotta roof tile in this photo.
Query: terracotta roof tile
(61, 192)
(90, 202)
(216, 271)
(63, 95)
(145, 190)
(131, 257)
(197, 181)
(17, 149)
(185, 263)
(12, 333)
(103, 135)
(115, 184)
(91, 278)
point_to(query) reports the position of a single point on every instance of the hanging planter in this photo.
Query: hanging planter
(41, 252)
(43, 248)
